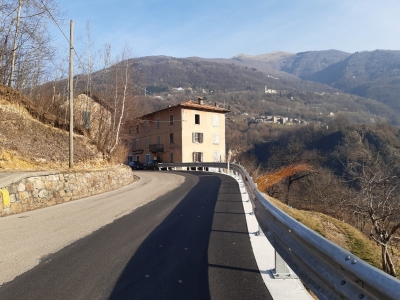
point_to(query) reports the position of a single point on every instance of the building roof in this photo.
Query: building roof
(195, 105)
(97, 99)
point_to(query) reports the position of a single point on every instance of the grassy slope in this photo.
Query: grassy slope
(336, 231)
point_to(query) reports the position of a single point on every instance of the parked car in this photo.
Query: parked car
(136, 165)
(152, 165)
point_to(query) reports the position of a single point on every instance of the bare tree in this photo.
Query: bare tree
(291, 155)
(377, 198)
(25, 46)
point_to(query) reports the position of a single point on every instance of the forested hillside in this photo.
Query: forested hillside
(350, 172)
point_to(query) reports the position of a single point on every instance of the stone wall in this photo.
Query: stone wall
(41, 191)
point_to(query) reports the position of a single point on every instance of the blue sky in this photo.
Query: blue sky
(222, 29)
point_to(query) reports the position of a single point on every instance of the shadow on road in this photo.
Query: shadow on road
(196, 253)
(172, 263)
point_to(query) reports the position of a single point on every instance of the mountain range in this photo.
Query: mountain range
(312, 85)
(370, 79)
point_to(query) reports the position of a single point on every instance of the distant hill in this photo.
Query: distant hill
(304, 64)
(350, 141)
(226, 75)
(370, 74)
(373, 74)
(309, 85)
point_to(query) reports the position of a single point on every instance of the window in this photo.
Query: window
(171, 119)
(158, 122)
(137, 143)
(216, 139)
(215, 121)
(197, 119)
(147, 142)
(216, 157)
(171, 138)
(147, 126)
(158, 140)
(197, 156)
(130, 144)
(86, 119)
(172, 157)
(137, 128)
(197, 137)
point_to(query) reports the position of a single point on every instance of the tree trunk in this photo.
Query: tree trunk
(122, 109)
(384, 262)
(290, 181)
(14, 50)
(390, 266)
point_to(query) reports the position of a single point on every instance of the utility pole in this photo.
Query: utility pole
(71, 96)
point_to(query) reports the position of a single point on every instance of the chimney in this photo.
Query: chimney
(201, 100)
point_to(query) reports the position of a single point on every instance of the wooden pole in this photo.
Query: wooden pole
(71, 96)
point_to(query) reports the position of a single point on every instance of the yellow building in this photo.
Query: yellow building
(188, 132)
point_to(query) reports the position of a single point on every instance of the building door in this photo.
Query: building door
(147, 158)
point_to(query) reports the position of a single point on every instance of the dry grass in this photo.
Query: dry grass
(338, 232)
(28, 144)
(342, 234)
(12, 161)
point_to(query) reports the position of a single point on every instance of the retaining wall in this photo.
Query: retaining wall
(41, 191)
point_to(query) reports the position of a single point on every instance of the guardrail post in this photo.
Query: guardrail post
(282, 270)
(260, 231)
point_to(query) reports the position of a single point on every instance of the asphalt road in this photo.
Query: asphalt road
(190, 243)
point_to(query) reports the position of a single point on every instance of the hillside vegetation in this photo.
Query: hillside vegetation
(349, 172)
(28, 144)
(338, 232)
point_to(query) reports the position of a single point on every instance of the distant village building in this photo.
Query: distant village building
(269, 91)
(276, 119)
(191, 131)
(179, 89)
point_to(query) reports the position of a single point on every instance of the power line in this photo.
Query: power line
(82, 65)
(55, 21)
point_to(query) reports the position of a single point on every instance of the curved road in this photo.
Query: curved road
(190, 243)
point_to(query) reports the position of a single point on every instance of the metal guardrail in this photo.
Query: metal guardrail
(328, 270)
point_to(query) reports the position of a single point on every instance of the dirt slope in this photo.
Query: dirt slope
(26, 143)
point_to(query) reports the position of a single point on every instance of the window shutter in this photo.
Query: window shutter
(194, 154)
(193, 137)
(216, 157)
(200, 137)
(216, 139)
(215, 121)
(201, 156)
